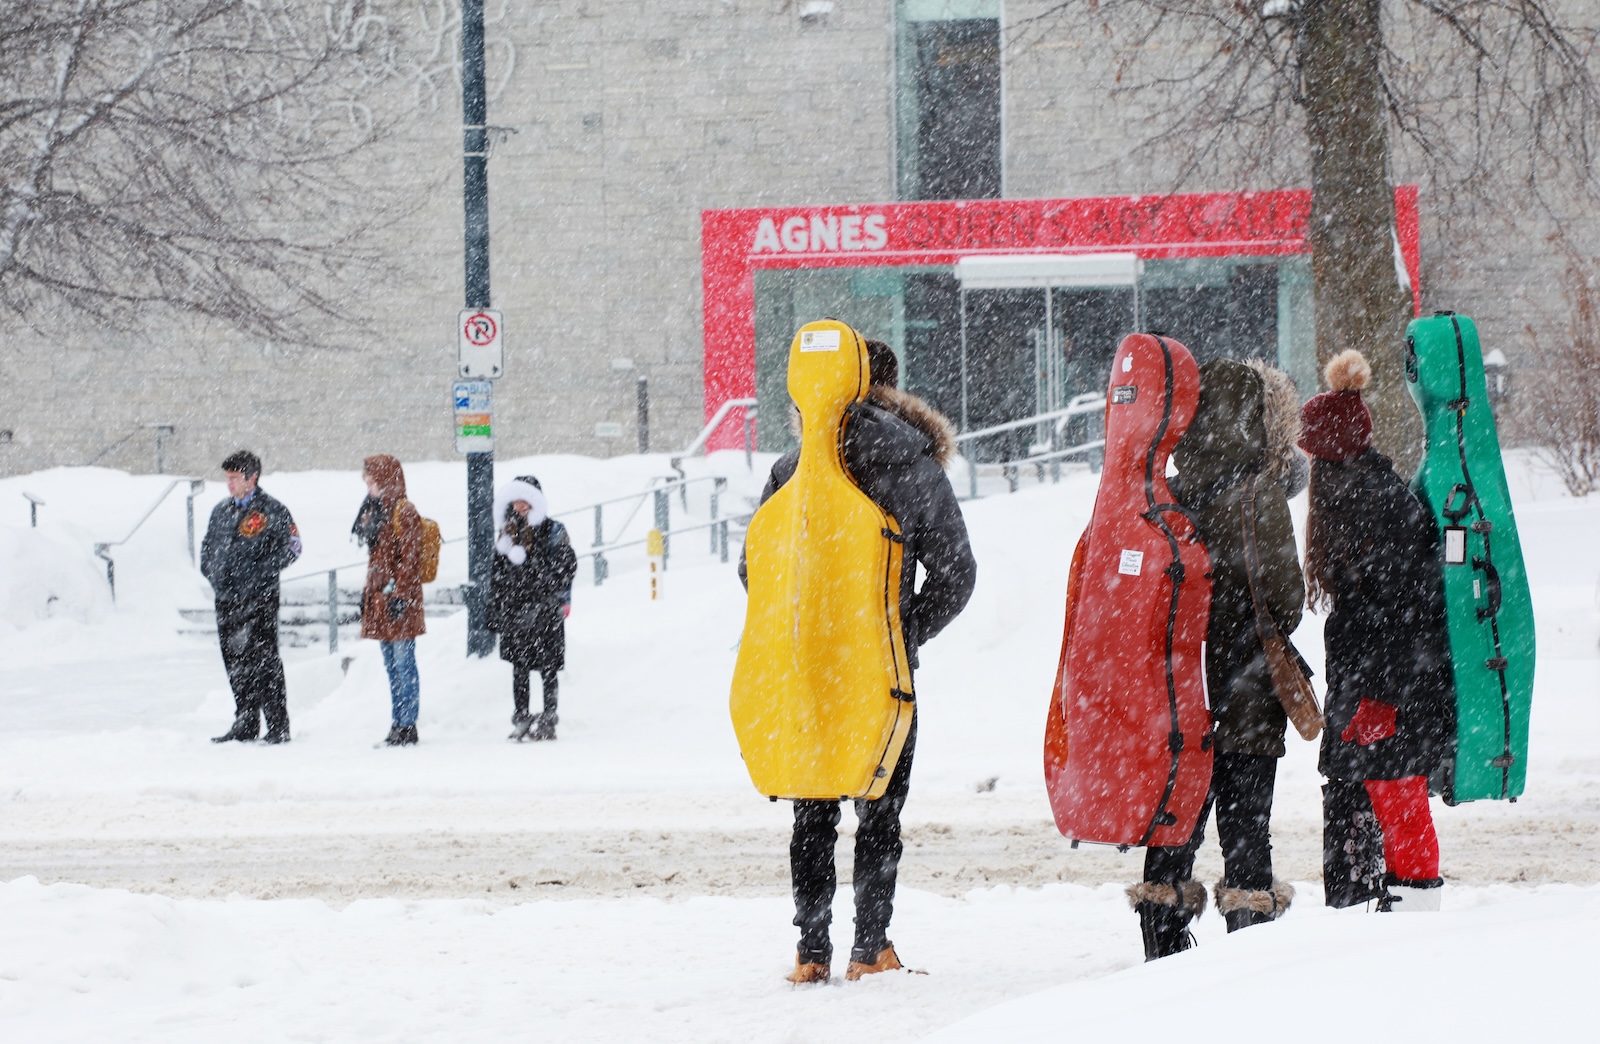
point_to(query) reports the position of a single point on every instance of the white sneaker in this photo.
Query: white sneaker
(1405, 898)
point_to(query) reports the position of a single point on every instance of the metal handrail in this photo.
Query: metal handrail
(1089, 402)
(196, 487)
(661, 488)
(1081, 405)
(727, 407)
(559, 514)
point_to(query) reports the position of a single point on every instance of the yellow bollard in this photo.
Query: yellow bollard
(656, 547)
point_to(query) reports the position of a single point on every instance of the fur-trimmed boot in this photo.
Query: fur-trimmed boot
(1242, 907)
(1164, 915)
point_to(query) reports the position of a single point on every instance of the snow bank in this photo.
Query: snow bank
(1499, 965)
(79, 964)
(50, 574)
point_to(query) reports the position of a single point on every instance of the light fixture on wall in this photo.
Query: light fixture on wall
(815, 12)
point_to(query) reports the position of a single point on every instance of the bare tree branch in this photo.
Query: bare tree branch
(192, 154)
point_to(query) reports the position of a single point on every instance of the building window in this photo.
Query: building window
(947, 99)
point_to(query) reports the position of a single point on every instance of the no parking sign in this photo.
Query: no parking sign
(480, 343)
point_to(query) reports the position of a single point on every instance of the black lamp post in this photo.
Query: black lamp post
(475, 194)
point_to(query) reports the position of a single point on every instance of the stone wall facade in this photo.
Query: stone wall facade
(629, 117)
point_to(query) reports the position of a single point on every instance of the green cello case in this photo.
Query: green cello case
(1462, 481)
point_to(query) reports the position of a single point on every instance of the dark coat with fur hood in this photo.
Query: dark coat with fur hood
(1242, 436)
(526, 600)
(896, 446)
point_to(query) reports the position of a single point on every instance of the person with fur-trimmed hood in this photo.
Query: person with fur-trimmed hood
(530, 597)
(895, 448)
(1240, 443)
(1373, 560)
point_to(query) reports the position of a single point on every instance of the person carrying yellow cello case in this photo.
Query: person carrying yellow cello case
(822, 702)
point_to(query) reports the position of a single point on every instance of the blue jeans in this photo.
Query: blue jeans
(405, 689)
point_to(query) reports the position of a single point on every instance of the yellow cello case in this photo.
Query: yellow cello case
(822, 699)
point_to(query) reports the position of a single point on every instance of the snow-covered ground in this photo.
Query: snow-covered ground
(625, 883)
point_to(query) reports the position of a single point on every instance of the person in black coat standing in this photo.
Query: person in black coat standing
(250, 540)
(895, 448)
(530, 597)
(1373, 560)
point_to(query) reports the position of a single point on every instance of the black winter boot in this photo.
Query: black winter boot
(1243, 907)
(1164, 915)
(521, 723)
(394, 738)
(545, 727)
(408, 736)
(245, 729)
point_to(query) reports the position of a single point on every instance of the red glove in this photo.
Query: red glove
(1374, 721)
(566, 611)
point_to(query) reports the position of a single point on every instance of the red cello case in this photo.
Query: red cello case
(1127, 755)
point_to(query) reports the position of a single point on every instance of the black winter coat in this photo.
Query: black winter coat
(245, 548)
(894, 447)
(1386, 636)
(525, 600)
(1225, 450)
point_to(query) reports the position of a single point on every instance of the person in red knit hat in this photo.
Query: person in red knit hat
(1373, 563)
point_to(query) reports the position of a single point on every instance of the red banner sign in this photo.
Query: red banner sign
(734, 243)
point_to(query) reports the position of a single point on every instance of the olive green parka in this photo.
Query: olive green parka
(1244, 430)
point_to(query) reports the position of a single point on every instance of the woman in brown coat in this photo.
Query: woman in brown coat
(391, 602)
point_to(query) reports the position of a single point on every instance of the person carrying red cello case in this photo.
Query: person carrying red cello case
(1126, 756)
(1237, 467)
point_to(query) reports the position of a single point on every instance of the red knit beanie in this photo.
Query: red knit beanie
(1336, 425)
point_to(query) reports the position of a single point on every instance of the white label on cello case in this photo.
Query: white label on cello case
(1127, 362)
(819, 341)
(1475, 593)
(1132, 563)
(1455, 545)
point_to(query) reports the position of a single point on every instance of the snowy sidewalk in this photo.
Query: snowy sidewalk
(625, 882)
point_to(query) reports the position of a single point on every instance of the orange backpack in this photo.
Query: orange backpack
(428, 558)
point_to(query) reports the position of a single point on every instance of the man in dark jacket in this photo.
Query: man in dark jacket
(1240, 445)
(251, 539)
(895, 447)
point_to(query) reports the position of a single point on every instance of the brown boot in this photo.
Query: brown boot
(887, 960)
(807, 973)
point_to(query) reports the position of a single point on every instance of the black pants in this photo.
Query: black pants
(248, 634)
(520, 688)
(1241, 793)
(877, 864)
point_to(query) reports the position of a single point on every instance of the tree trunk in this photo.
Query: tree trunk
(1359, 301)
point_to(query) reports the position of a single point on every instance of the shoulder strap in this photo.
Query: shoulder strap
(1266, 627)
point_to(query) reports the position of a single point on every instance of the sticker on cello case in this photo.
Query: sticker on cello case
(1455, 545)
(1127, 362)
(1132, 563)
(819, 340)
(1122, 394)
